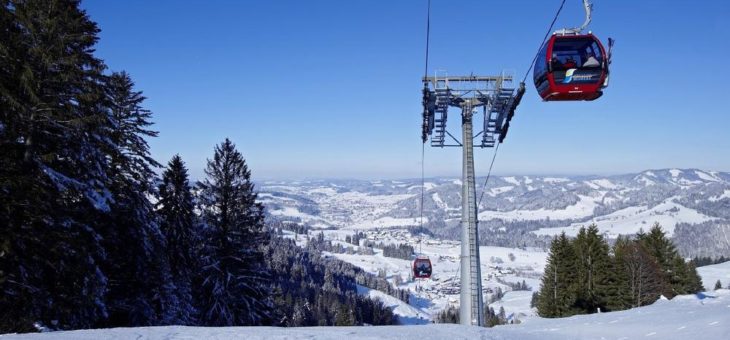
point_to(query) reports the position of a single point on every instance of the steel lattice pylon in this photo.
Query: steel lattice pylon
(498, 103)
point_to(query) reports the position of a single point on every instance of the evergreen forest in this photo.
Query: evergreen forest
(585, 275)
(91, 236)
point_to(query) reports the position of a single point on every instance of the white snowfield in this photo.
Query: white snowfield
(710, 275)
(407, 314)
(583, 208)
(629, 220)
(684, 317)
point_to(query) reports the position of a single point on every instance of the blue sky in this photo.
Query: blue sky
(315, 89)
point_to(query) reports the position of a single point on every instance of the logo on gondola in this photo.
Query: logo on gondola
(568, 76)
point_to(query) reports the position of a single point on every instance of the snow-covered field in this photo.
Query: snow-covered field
(583, 208)
(428, 297)
(629, 220)
(710, 275)
(684, 317)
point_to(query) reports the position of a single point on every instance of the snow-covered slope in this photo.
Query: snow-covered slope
(684, 317)
(710, 275)
(407, 314)
(627, 221)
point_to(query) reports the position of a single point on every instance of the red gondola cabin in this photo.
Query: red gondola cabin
(422, 267)
(571, 67)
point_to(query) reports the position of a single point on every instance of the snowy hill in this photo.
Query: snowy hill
(684, 317)
(523, 210)
(710, 275)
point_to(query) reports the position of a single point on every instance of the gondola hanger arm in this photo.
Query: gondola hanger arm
(588, 7)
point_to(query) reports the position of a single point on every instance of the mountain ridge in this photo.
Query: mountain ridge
(522, 210)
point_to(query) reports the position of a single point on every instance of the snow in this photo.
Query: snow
(725, 194)
(407, 314)
(684, 317)
(592, 185)
(347, 209)
(583, 208)
(289, 211)
(437, 293)
(511, 180)
(643, 179)
(707, 177)
(516, 304)
(675, 172)
(436, 198)
(426, 186)
(499, 190)
(710, 275)
(604, 183)
(629, 220)
(386, 222)
(555, 180)
(324, 191)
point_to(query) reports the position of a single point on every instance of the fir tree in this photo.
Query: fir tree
(694, 281)
(534, 299)
(557, 292)
(233, 280)
(52, 178)
(718, 285)
(594, 270)
(451, 315)
(678, 276)
(178, 224)
(142, 291)
(640, 270)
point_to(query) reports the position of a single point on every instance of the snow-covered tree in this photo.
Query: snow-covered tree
(234, 282)
(178, 223)
(53, 172)
(142, 291)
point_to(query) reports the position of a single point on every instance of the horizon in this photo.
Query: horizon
(478, 176)
(332, 89)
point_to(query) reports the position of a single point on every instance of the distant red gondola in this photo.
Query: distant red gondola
(571, 67)
(422, 267)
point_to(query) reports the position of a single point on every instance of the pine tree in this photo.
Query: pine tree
(557, 292)
(616, 295)
(694, 281)
(640, 270)
(178, 224)
(594, 285)
(142, 291)
(718, 285)
(678, 276)
(52, 178)
(233, 278)
(533, 300)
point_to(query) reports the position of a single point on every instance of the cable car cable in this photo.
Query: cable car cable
(423, 145)
(547, 34)
(496, 149)
(423, 186)
(489, 173)
(428, 35)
